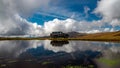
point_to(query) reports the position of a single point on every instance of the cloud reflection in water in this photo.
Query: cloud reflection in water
(15, 48)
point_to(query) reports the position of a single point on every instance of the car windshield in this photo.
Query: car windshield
(57, 32)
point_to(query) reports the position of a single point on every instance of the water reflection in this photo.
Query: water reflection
(15, 48)
(59, 43)
(61, 53)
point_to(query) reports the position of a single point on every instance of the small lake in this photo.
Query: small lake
(59, 54)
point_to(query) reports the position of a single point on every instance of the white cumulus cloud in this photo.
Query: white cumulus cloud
(14, 12)
(109, 10)
(11, 22)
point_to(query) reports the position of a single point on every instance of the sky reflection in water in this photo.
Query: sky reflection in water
(61, 53)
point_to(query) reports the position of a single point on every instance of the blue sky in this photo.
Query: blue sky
(63, 9)
(41, 17)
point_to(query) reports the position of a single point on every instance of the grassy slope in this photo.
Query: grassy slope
(107, 36)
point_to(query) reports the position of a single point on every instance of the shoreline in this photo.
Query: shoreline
(63, 39)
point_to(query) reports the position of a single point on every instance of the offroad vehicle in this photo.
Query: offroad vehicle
(59, 35)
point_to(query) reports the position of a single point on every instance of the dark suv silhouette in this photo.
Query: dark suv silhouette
(59, 43)
(59, 35)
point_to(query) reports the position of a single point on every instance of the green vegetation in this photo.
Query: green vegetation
(110, 62)
(12, 61)
(29, 60)
(70, 66)
(46, 62)
(2, 65)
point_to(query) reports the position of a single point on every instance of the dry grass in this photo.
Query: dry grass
(107, 36)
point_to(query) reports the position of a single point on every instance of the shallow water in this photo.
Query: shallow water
(59, 54)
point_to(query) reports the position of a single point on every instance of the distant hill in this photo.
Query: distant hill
(102, 36)
(75, 34)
